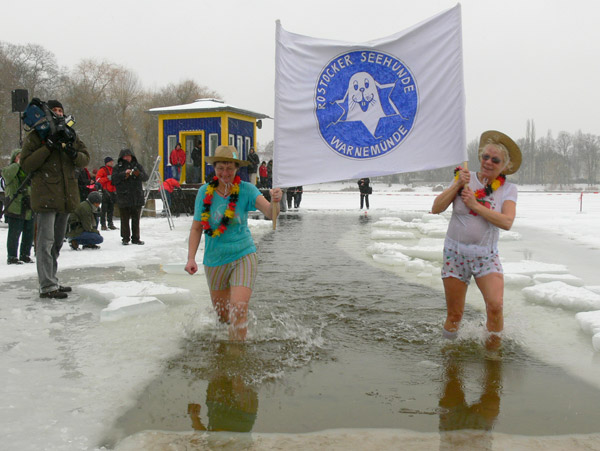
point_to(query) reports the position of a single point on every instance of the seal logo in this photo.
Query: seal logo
(366, 103)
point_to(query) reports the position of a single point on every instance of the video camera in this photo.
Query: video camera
(40, 117)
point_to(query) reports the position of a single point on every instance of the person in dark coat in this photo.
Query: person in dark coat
(269, 174)
(127, 177)
(365, 190)
(294, 193)
(253, 166)
(86, 182)
(195, 171)
(54, 194)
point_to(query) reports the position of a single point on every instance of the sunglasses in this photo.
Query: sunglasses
(495, 160)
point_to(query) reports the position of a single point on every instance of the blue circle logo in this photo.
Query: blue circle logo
(365, 104)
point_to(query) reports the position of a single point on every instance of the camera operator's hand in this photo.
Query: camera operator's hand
(70, 151)
(52, 143)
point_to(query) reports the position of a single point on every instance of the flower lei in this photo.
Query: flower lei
(482, 193)
(229, 213)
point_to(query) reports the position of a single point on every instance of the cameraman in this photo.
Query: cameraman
(52, 160)
(127, 178)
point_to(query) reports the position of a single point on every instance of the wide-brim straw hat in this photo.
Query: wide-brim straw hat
(226, 153)
(514, 153)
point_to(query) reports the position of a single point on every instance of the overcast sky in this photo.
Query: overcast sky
(523, 59)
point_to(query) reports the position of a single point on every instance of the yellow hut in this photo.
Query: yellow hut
(205, 124)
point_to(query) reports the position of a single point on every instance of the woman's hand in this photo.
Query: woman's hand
(464, 177)
(468, 197)
(276, 194)
(191, 267)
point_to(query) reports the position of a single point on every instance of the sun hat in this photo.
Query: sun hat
(514, 153)
(226, 154)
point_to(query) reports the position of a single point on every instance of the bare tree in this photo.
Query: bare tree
(87, 96)
(125, 93)
(28, 67)
(587, 146)
(564, 148)
(184, 92)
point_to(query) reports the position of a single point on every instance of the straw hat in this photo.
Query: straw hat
(514, 153)
(226, 153)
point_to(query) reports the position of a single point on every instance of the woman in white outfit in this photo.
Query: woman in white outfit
(482, 203)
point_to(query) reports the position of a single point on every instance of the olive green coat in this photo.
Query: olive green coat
(14, 176)
(82, 220)
(54, 184)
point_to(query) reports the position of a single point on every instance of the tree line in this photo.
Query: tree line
(108, 101)
(110, 107)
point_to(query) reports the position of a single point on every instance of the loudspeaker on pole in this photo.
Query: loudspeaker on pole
(20, 99)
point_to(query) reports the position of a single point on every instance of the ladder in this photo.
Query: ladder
(154, 182)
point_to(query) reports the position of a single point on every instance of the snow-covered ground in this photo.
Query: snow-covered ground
(69, 367)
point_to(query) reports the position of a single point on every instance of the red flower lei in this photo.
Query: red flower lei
(229, 213)
(482, 193)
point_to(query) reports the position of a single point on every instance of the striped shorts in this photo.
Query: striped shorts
(239, 273)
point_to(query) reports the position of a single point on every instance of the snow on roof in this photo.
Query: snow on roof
(206, 105)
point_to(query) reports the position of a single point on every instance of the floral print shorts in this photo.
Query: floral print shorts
(463, 267)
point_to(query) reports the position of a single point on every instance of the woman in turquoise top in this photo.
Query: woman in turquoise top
(230, 262)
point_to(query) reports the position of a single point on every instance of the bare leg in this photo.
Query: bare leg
(238, 313)
(492, 289)
(220, 301)
(456, 292)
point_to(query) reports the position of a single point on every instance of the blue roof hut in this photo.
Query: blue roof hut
(206, 123)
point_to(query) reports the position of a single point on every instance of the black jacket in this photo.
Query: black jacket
(254, 162)
(363, 186)
(130, 191)
(197, 156)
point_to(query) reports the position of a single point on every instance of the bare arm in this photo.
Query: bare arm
(503, 219)
(267, 207)
(446, 197)
(194, 241)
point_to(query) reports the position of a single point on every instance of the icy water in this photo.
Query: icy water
(336, 342)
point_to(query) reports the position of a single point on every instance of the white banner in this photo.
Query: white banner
(347, 111)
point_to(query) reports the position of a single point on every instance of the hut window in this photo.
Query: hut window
(213, 143)
(240, 147)
(171, 143)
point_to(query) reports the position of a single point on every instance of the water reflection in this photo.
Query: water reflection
(232, 403)
(457, 414)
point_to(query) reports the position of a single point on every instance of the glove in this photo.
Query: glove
(136, 172)
(52, 143)
(70, 151)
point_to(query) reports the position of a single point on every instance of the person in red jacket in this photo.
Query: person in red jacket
(169, 185)
(177, 160)
(109, 194)
(263, 172)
